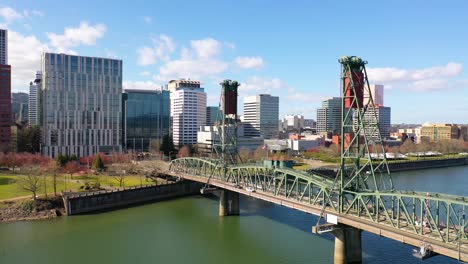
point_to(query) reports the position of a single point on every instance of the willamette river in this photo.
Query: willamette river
(189, 230)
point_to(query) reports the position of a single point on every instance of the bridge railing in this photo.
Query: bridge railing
(431, 215)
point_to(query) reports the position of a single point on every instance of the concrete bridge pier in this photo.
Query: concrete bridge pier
(347, 245)
(228, 203)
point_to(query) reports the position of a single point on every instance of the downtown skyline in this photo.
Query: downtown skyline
(287, 50)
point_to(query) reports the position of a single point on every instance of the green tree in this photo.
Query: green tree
(167, 145)
(28, 139)
(98, 164)
(62, 160)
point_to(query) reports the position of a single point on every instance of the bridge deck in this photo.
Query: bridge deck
(383, 227)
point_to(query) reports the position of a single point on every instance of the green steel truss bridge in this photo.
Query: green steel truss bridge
(435, 219)
(360, 197)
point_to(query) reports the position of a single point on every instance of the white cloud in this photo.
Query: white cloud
(25, 58)
(197, 62)
(146, 56)
(162, 47)
(192, 69)
(249, 62)
(25, 51)
(396, 75)
(85, 34)
(147, 19)
(432, 78)
(206, 48)
(257, 84)
(141, 85)
(145, 73)
(9, 14)
(429, 85)
(303, 97)
(110, 54)
(38, 13)
(230, 45)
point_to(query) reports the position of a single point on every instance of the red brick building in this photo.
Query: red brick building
(5, 107)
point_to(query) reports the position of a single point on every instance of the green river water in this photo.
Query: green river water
(189, 230)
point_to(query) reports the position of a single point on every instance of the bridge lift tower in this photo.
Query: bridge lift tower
(363, 164)
(224, 148)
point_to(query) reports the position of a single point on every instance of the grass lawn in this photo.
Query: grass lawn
(9, 187)
(302, 166)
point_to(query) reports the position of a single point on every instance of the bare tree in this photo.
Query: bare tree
(184, 152)
(407, 146)
(50, 167)
(245, 154)
(260, 153)
(120, 178)
(31, 182)
(118, 172)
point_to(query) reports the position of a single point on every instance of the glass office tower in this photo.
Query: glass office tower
(146, 118)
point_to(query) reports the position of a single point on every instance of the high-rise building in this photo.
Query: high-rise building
(81, 105)
(213, 114)
(310, 123)
(383, 115)
(329, 116)
(377, 92)
(188, 110)
(34, 92)
(5, 107)
(146, 118)
(261, 116)
(292, 123)
(19, 107)
(3, 46)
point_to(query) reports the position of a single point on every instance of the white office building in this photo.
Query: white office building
(292, 122)
(383, 115)
(81, 105)
(3, 46)
(34, 94)
(261, 116)
(188, 110)
(329, 116)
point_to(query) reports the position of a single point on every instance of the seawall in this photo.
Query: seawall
(426, 164)
(404, 166)
(79, 202)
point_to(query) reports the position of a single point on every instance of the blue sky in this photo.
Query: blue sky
(417, 49)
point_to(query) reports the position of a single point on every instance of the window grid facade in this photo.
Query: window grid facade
(3, 46)
(146, 118)
(188, 114)
(34, 89)
(81, 105)
(329, 116)
(261, 116)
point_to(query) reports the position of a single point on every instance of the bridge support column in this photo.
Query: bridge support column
(347, 245)
(228, 203)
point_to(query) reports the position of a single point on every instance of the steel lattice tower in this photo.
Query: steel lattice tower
(225, 143)
(359, 170)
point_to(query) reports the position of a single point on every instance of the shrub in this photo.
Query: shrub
(28, 206)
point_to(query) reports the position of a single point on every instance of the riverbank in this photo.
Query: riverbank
(401, 166)
(27, 209)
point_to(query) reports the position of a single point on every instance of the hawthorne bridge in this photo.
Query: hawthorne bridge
(360, 197)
